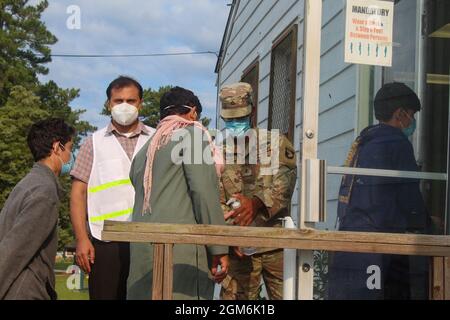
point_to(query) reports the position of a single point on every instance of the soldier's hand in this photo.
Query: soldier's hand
(246, 213)
(224, 262)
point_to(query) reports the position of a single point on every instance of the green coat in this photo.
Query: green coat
(182, 194)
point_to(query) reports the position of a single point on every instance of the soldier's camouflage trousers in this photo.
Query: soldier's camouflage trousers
(244, 278)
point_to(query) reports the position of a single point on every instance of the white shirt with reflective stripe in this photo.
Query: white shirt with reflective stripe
(110, 193)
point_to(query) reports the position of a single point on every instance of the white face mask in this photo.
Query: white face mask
(124, 114)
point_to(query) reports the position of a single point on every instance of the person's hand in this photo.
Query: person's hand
(85, 254)
(224, 262)
(246, 213)
(238, 252)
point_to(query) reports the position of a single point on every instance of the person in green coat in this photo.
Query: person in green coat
(173, 188)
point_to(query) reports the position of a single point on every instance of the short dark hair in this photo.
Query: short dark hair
(393, 96)
(43, 134)
(178, 97)
(122, 82)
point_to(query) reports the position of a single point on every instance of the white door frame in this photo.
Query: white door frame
(309, 134)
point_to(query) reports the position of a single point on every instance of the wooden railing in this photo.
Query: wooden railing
(164, 236)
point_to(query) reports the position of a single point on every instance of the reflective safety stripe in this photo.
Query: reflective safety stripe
(109, 185)
(111, 215)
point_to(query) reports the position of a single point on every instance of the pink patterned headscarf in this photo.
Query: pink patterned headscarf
(162, 137)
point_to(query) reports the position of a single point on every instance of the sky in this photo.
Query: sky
(135, 27)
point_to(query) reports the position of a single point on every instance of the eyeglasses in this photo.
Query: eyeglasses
(412, 118)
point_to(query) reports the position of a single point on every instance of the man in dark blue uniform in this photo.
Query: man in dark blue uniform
(380, 204)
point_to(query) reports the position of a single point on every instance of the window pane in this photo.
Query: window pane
(358, 131)
(283, 85)
(251, 77)
(366, 276)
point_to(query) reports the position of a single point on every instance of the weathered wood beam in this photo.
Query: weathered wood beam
(402, 244)
(168, 272)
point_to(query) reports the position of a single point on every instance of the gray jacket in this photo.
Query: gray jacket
(28, 237)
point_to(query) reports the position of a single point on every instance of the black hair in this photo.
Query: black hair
(178, 97)
(122, 82)
(393, 96)
(43, 134)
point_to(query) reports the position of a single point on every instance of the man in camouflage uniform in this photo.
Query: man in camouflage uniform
(264, 198)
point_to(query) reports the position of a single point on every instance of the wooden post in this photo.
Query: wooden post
(158, 271)
(162, 272)
(168, 272)
(438, 279)
(440, 282)
(446, 278)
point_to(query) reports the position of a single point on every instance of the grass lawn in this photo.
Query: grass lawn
(63, 265)
(65, 294)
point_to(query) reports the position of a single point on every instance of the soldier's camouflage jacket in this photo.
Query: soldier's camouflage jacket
(251, 179)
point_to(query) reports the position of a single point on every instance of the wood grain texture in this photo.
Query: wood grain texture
(168, 272)
(446, 278)
(158, 272)
(403, 244)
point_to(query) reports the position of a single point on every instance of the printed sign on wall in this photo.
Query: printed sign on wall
(369, 32)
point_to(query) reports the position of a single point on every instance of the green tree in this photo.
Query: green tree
(24, 45)
(151, 105)
(21, 110)
(57, 102)
(24, 51)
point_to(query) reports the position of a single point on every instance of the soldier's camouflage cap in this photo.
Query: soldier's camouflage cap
(236, 100)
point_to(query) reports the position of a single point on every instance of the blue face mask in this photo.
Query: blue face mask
(238, 127)
(411, 129)
(67, 167)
